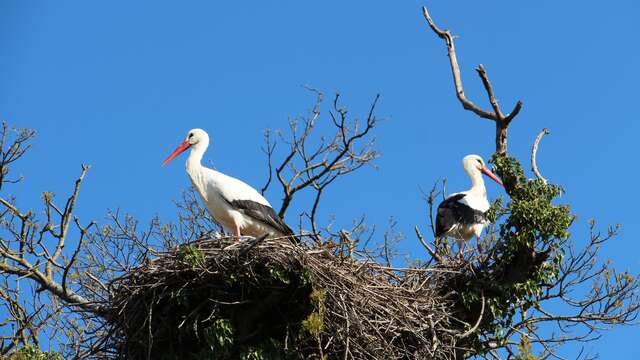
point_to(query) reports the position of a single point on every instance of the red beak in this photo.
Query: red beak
(181, 148)
(488, 172)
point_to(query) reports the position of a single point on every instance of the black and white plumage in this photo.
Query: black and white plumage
(462, 215)
(232, 203)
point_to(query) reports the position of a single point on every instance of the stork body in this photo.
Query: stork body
(232, 203)
(462, 214)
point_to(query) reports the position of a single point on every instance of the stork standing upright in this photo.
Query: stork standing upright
(232, 203)
(462, 215)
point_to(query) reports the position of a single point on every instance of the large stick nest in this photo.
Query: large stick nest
(218, 298)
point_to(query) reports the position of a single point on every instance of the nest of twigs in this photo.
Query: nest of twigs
(266, 299)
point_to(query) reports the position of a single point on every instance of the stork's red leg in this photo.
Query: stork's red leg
(460, 249)
(238, 235)
(479, 245)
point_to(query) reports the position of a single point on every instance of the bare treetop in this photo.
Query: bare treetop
(502, 121)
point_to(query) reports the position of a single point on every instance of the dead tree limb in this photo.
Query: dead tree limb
(534, 152)
(502, 121)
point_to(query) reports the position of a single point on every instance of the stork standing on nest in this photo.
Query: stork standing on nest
(232, 203)
(462, 215)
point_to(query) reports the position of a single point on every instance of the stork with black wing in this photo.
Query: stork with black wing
(462, 214)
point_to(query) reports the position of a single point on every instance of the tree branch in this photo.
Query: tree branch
(502, 121)
(455, 69)
(534, 151)
(316, 164)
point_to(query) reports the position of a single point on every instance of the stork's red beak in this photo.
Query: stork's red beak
(181, 148)
(491, 175)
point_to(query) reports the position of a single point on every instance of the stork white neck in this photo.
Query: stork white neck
(477, 182)
(198, 141)
(471, 165)
(194, 160)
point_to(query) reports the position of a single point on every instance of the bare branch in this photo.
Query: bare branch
(316, 162)
(455, 69)
(534, 151)
(268, 150)
(426, 246)
(502, 121)
(477, 324)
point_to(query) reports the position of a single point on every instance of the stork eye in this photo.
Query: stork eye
(190, 135)
(480, 161)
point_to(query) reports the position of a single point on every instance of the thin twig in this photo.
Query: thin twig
(431, 252)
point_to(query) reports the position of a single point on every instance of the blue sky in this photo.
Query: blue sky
(117, 85)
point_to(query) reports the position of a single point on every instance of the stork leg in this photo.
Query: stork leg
(460, 254)
(238, 234)
(479, 245)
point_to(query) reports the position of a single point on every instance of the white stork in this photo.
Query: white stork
(462, 215)
(232, 203)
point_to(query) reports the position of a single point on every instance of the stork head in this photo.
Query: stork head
(197, 136)
(474, 165)
(196, 139)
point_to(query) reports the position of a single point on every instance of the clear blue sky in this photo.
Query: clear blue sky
(117, 85)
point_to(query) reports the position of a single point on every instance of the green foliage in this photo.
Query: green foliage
(219, 336)
(532, 234)
(222, 340)
(314, 323)
(270, 349)
(191, 255)
(279, 274)
(31, 353)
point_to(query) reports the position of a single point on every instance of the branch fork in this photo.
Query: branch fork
(502, 121)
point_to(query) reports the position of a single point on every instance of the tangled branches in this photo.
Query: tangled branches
(315, 162)
(31, 251)
(223, 299)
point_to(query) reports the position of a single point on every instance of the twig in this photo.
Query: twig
(269, 152)
(475, 327)
(431, 252)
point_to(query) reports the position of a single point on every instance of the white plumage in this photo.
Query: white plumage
(232, 203)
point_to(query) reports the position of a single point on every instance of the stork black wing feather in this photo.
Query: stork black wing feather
(262, 213)
(451, 211)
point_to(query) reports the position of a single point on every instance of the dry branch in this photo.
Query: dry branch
(534, 152)
(314, 161)
(502, 121)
